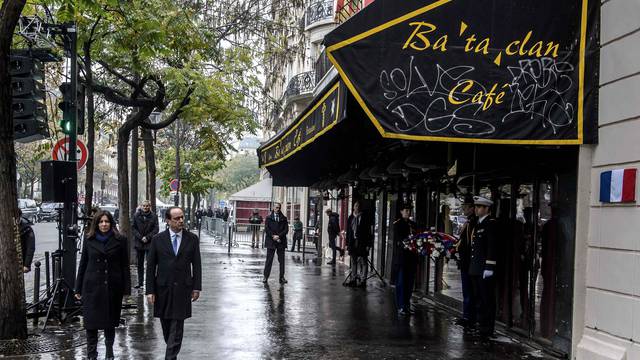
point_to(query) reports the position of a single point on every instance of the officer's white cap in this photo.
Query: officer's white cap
(481, 200)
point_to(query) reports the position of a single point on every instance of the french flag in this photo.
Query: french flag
(618, 186)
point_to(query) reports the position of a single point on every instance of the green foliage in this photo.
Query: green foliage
(200, 178)
(239, 172)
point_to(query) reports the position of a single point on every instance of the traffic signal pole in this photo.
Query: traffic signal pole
(70, 233)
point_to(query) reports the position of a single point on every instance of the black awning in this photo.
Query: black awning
(481, 71)
(329, 137)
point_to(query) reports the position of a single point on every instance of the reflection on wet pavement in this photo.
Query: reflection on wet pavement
(312, 317)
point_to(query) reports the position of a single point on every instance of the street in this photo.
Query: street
(312, 317)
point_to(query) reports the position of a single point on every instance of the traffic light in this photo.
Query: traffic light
(68, 107)
(28, 105)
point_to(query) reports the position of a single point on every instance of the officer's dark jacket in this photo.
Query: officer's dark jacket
(484, 247)
(280, 228)
(402, 229)
(255, 219)
(464, 245)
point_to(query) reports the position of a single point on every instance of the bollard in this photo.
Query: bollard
(229, 243)
(47, 273)
(36, 291)
(304, 244)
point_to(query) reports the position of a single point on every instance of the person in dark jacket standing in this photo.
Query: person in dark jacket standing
(255, 221)
(469, 304)
(333, 228)
(406, 262)
(28, 242)
(276, 229)
(297, 233)
(145, 227)
(174, 278)
(484, 248)
(359, 242)
(103, 280)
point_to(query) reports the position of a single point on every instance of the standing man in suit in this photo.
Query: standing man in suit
(276, 229)
(174, 278)
(484, 248)
(145, 227)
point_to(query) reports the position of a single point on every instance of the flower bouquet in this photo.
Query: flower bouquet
(432, 243)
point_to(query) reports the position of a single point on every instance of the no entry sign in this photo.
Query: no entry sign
(61, 149)
(174, 185)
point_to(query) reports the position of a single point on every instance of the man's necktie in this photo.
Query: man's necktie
(175, 244)
(276, 218)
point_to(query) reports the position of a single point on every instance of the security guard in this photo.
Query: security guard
(405, 262)
(484, 247)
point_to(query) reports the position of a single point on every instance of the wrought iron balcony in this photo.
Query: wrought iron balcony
(322, 66)
(301, 84)
(318, 11)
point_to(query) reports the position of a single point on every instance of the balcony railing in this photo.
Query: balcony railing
(322, 66)
(301, 84)
(318, 11)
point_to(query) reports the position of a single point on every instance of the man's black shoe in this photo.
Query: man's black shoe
(332, 262)
(283, 281)
(137, 286)
(265, 279)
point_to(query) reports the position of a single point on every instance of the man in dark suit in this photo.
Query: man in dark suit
(484, 248)
(405, 261)
(359, 242)
(145, 227)
(174, 278)
(276, 229)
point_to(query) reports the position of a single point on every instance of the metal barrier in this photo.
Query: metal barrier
(217, 228)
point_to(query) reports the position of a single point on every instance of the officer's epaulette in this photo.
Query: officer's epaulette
(396, 221)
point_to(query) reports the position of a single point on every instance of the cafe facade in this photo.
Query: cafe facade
(516, 101)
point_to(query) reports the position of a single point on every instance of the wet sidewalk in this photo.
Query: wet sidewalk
(311, 317)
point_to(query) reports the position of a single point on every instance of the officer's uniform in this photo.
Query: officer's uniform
(484, 247)
(405, 263)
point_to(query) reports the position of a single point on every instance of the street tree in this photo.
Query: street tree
(13, 321)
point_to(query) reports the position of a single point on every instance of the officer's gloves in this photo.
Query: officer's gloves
(487, 274)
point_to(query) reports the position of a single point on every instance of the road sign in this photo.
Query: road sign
(61, 148)
(174, 185)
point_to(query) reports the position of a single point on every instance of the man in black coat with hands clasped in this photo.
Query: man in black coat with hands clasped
(174, 278)
(145, 227)
(275, 232)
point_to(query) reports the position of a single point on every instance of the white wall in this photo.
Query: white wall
(607, 301)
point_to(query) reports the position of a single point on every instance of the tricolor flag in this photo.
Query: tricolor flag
(618, 186)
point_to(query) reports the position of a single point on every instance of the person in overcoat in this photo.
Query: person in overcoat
(174, 278)
(405, 261)
(276, 229)
(359, 242)
(145, 226)
(103, 280)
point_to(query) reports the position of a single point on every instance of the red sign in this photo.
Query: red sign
(174, 185)
(61, 148)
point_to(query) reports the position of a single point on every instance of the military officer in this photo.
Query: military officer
(405, 262)
(484, 247)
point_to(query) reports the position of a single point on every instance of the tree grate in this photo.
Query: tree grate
(43, 343)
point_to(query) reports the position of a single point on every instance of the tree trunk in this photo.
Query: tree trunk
(90, 131)
(134, 170)
(123, 186)
(31, 184)
(150, 161)
(13, 321)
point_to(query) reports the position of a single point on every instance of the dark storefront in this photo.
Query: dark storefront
(422, 113)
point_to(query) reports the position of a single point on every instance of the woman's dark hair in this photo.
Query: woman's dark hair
(93, 230)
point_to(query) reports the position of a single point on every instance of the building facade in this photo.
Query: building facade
(568, 260)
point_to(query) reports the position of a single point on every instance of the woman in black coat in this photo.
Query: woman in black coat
(103, 280)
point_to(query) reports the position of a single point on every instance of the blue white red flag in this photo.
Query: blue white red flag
(618, 186)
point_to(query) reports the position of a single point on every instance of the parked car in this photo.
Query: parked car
(48, 211)
(29, 209)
